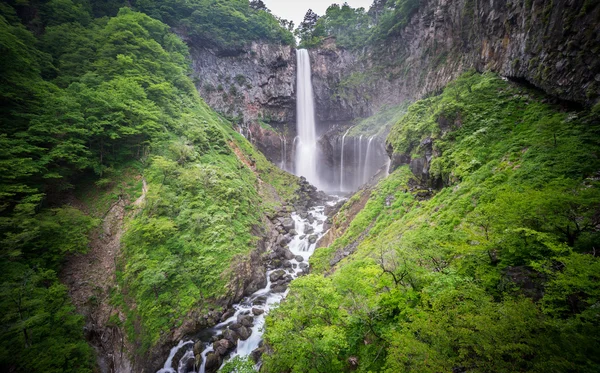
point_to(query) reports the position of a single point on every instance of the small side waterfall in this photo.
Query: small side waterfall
(367, 162)
(283, 163)
(306, 148)
(342, 162)
(359, 159)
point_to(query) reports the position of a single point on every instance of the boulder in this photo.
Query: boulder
(231, 336)
(257, 311)
(244, 333)
(257, 354)
(213, 362)
(245, 320)
(288, 224)
(222, 346)
(276, 275)
(312, 238)
(299, 258)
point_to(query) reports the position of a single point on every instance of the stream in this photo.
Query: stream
(251, 311)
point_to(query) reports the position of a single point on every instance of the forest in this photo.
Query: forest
(475, 250)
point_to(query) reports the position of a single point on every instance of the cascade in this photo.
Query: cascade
(342, 162)
(265, 299)
(283, 164)
(306, 148)
(367, 163)
(294, 154)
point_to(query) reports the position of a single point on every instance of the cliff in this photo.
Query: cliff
(552, 45)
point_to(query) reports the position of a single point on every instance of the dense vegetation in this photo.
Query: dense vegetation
(98, 95)
(497, 271)
(224, 24)
(355, 28)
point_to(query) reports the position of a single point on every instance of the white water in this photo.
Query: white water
(283, 163)
(168, 367)
(367, 162)
(306, 148)
(299, 246)
(342, 162)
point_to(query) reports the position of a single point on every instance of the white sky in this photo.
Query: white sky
(295, 10)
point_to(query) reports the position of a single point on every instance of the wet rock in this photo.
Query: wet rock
(287, 254)
(260, 300)
(231, 336)
(288, 224)
(310, 218)
(308, 229)
(292, 233)
(227, 314)
(312, 238)
(222, 346)
(280, 288)
(213, 362)
(257, 311)
(245, 320)
(303, 265)
(257, 354)
(299, 258)
(198, 348)
(286, 264)
(244, 333)
(276, 275)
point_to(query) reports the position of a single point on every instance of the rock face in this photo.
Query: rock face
(553, 45)
(258, 82)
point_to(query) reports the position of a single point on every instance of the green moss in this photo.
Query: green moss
(439, 279)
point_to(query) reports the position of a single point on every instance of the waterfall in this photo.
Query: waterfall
(306, 151)
(342, 162)
(294, 154)
(283, 164)
(368, 156)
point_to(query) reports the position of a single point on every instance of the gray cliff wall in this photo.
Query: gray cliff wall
(553, 45)
(256, 83)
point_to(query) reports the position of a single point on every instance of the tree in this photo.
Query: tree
(258, 5)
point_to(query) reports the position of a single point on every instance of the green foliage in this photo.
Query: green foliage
(225, 24)
(495, 272)
(85, 107)
(238, 365)
(380, 123)
(355, 28)
(41, 331)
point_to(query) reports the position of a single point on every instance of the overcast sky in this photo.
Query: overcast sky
(295, 10)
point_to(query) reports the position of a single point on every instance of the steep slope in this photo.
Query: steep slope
(106, 143)
(496, 270)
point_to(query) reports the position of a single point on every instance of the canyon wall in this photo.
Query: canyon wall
(552, 45)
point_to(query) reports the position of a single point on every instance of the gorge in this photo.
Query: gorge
(203, 186)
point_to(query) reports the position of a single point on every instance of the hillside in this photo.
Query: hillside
(157, 212)
(477, 254)
(120, 181)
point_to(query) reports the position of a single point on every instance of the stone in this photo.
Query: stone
(257, 354)
(276, 275)
(231, 336)
(222, 346)
(244, 333)
(299, 258)
(213, 362)
(245, 320)
(289, 224)
(257, 311)
(312, 238)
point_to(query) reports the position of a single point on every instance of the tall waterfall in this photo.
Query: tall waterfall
(306, 148)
